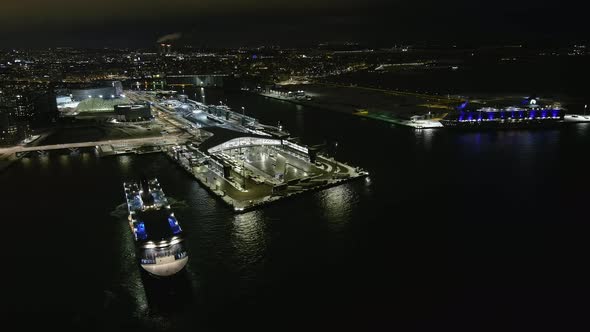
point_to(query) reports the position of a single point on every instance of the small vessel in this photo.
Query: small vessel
(158, 236)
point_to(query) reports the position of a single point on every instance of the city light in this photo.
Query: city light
(473, 214)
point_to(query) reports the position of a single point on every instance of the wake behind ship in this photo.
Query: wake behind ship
(159, 238)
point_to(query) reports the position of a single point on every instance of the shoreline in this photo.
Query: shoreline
(423, 124)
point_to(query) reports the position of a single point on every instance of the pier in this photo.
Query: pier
(245, 185)
(242, 162)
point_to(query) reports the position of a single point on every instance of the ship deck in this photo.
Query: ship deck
(158, 224)
(133, 195)
(153, 223)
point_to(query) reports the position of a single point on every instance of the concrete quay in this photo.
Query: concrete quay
(266, 194)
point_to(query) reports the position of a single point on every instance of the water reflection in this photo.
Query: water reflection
(64, 160)
(471, 141)
(85, 158)
(167, 295)
(425, 137)
(248, 236)
(132, 282)
(26, 162)
(135, 287)
(125, 163)
(300, 119)
(44, 161)
(582, 129)
(202, 92)
(338, 203)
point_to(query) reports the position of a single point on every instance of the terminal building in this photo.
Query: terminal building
(227, 141)
(132, 113)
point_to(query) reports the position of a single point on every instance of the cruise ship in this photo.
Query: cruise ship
(529, 116)
(159, 237)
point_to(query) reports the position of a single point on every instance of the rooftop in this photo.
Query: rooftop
(222, 135)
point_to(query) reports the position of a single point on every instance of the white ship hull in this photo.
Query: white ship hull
(165, 268)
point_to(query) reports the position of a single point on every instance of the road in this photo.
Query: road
(439, 98)
(133, 141)
(163, 114)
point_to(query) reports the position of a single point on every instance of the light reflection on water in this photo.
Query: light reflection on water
(129, 268)
(249, 236)
(133, 282)
(338, 203)
(300, 118)
(425, 137)
(582, 129)
(44, 161)
(64, 160)
(85, 157)
(125, 163)
(26, 161)
(201, 92)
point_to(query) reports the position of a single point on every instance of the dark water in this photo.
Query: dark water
(463, 231)
(563, 78)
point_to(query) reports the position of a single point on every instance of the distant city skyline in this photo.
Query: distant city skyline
(232, 23)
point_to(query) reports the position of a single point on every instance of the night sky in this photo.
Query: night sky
(98, 23)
